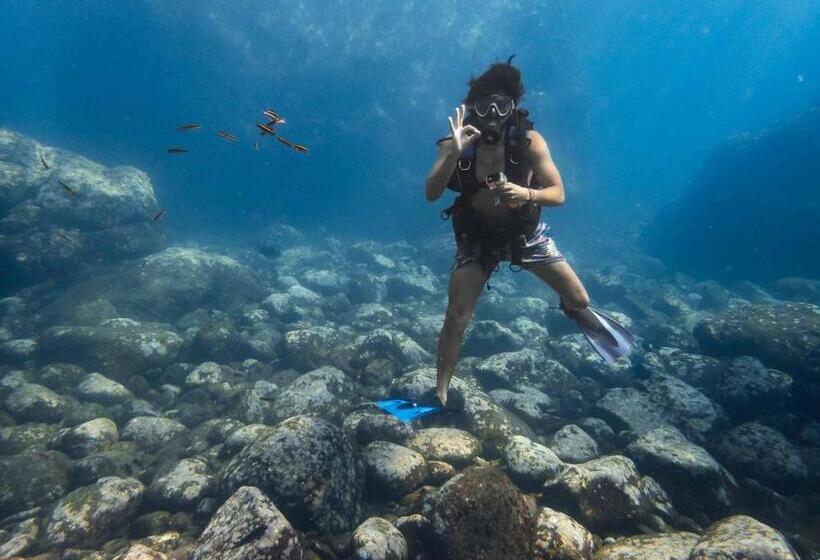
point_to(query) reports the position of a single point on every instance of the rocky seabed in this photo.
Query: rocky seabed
(206, 402)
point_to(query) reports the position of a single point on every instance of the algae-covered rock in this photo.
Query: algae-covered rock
(481, 515)
(248, 526)
(744, 537)
(377, 538)
(91, 515)
(320, 483)
(393, 470)
(117, 347)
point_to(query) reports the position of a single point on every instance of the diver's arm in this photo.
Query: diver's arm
(545, 173)
(442, 170)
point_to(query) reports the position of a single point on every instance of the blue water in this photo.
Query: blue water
(631, 97)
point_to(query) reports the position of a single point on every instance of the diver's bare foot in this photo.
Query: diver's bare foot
(442, 395)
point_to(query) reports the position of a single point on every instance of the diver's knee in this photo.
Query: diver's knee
(576, 301)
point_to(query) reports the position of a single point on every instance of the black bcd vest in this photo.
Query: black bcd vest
(466, 222)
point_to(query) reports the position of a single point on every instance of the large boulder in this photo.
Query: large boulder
(308, 468)
(117, 347)
(31, 402)
(726, 222)
(91, 515)
(450, 445)
(531, 464)
(86, 438)
(609, 493)
(741, 536)
(248, 526)
(764, 454)
(781, 336)
(378, 539)
(481, 515)
(32, 479)
(664, 400)
(180, 486)
(693, 478)
(748, 389)
(325, 392)
(663, 546)
(60, 210)
(163, 287)
(393, 470)
(559, 537)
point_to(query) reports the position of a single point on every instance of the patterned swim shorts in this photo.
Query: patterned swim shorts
(539, 249)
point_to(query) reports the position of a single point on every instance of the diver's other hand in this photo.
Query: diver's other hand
(512, 195)
(463, 136)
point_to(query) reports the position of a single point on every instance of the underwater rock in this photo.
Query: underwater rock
(764, 454)
(25, 437)
(783, 336)
(531, 405)
(324, 282)
(744, 537)
(243, 436)
(163, 287)
(142, 552)
(17, 351)
(531, 464)
(390, 344)
(23, 536)
(108, 220)
(697, 370)
(799, 289)
(601, 432)
(480, 514)
(319, 485)
(667, 400)
(439, 472)
(121, 459)
(86, 438)
(248, 526)
(117, 347)
(748, 389)
(663, 546)
(98, 388)
(508, 370)
(62, 378)
(89, 516)
(366, 426)
(573, 445)
(450, 445)
(30, 402)
(182, 485)
(32, 479)
(404, 285)
(559, 537)
(378, 539)
(325, 392)
(393, 470)
(724, 223)
(485, 338)
(151, 433)
(608, 493)
(310, 348)
(219, 340)
(693, 478)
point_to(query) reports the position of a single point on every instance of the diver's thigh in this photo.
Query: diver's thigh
(562, 278)
(466, 283)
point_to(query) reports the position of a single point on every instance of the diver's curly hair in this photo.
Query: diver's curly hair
(501, 77)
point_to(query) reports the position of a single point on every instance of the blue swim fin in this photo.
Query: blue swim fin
(407, 411)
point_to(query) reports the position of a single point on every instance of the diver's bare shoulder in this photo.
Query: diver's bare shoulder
(545, 172)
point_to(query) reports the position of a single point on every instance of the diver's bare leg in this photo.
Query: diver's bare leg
(561, 278)
(466, 283)
(574, 297)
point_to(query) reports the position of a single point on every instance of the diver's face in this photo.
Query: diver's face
(493, 111)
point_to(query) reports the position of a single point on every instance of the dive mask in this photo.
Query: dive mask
(492, 112)
(503, 105)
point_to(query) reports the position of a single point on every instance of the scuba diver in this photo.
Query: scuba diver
(502, 169)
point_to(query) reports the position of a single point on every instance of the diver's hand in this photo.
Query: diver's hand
(463, 136)
(512, 195)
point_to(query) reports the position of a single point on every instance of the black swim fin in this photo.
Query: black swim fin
(610, 339)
